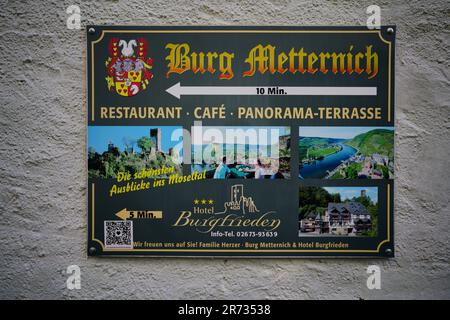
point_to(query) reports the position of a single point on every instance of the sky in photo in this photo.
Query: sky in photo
(336, 132)
(100, 136)
(351, 192)
(263, 135)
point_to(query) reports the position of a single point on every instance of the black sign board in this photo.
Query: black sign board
(240, 141)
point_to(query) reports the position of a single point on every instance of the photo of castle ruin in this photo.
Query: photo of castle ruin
(115, 149)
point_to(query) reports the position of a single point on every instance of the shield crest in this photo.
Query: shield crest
(129, 73)
(129, 84)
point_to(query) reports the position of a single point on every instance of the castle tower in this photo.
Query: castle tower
(363, 193)
(110, 146)
(237, 191)
(155, 135)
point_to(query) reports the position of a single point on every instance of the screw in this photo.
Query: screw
(91, 30)
(390, 30)
(92, 250)
(388, 251)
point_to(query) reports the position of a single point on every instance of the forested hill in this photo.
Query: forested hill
(316, 141)
(375, 141)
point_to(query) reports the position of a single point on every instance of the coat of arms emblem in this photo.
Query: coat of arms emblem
(128, 66)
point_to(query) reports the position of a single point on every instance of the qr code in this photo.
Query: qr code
(119, 234)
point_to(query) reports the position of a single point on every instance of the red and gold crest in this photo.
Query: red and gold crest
(128, 66)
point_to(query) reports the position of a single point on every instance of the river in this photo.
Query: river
(318, 169)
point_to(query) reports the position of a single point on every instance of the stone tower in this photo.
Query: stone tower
(155, 135)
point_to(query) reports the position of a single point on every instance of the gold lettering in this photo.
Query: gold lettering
(371, 58)
(184, 216)
(181, 61)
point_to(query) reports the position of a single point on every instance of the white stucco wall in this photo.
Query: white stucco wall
(43, 189)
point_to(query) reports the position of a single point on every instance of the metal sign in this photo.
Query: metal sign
(240, 141)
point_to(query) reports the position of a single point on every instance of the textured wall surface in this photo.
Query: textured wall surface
(43, 187)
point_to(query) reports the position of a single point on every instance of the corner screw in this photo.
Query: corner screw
(92, 250)
(388, 251)
(390, 30)
(91, 31)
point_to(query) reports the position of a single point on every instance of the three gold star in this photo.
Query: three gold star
(203, 201)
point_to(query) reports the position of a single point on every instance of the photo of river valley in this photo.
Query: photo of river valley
(346, 152)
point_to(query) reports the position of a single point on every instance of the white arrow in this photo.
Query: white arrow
(177, 90)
